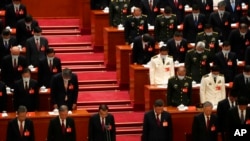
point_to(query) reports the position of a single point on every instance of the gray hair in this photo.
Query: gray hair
(22, 109)
(63, 108)
(200, 44)
(207, 104)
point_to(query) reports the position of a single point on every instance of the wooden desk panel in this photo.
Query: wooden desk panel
(41, 121)
(99, 20)
(112, 37)
(138, 77)
(122, 65)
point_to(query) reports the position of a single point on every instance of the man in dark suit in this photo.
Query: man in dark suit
(102, 126)
(3, 97)
(178, 47)
(247, 56)
(151, 8)
(193, 24)
(205, 124)
(136, 24)
(235, 10)
(197, 62)
(99, 4)
(227, 61)
(206, 6)
(143, 49)
(6, 42)
(62, 127)
(240, 40)
(48, 67)
(239, 118)
(64, 89)
(36, 47)
(14, 12)
(221, 21)
(210, 38)
(222, 110)
(26, 92)
(24, 29)
(242, 83)
(20, 128)
(12, 66)
(157, 124)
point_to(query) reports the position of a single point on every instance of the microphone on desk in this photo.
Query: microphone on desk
(107, 129)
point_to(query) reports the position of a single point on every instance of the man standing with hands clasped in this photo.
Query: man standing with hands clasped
(62, 127)
(157, 124)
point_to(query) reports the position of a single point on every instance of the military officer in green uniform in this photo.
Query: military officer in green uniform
(165, 25)
(197, 62)
(179, 89)
(135, 25)
(118, 11)
(210, 38)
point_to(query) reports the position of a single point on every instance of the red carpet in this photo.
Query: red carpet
(129, 117)
(103, 96)
(58, 22)
(106, 75)
(128, 138)
(68, 39)
(80, 56)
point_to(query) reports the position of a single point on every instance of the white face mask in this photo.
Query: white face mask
(167, 17)
(209, 33)
(26, 79)
(163, 56)
(199, 51)
(225, 51)
(181, 77)
(137, 17)
(214, 75)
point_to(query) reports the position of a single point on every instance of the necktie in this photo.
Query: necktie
(242, 119)
(66, 85)
(208, 122)
(195, 20)
(28, 28)
(221, 16)
(63, 127)
(103, 124)
(21, 128)
(26, 85)
(17, 10)
(6, 44)
(214, 79)
(158, 120)
(225, 56)
(247, 81)
(151, 4)
(15, 63)
(50, 64)
(163, 60)
(232, 102)
(37, 44)
(176, 3)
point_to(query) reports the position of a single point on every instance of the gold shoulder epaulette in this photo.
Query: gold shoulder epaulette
(215, 33)
(154, 56)
(144, 15)
(200, 33)
(129, 16)
(221, 74)
(190, 50)
(206, 75)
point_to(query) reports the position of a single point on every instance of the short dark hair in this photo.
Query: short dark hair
(22, 109)
(146, 37)
(246, 68)
(233, 92)
(168, 10)
(226, 43)
(63, 108)
(242, 100)
(28, 18)
(66, 72)
(195, 7)
(103, 107)
(26, 70)
(50, 50)
(164, 48)
(178, 34)
(159, 103)
(215, 68)
(37, 29)
(221, 4)
(6, 32)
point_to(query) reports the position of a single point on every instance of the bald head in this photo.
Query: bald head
(15, 50)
